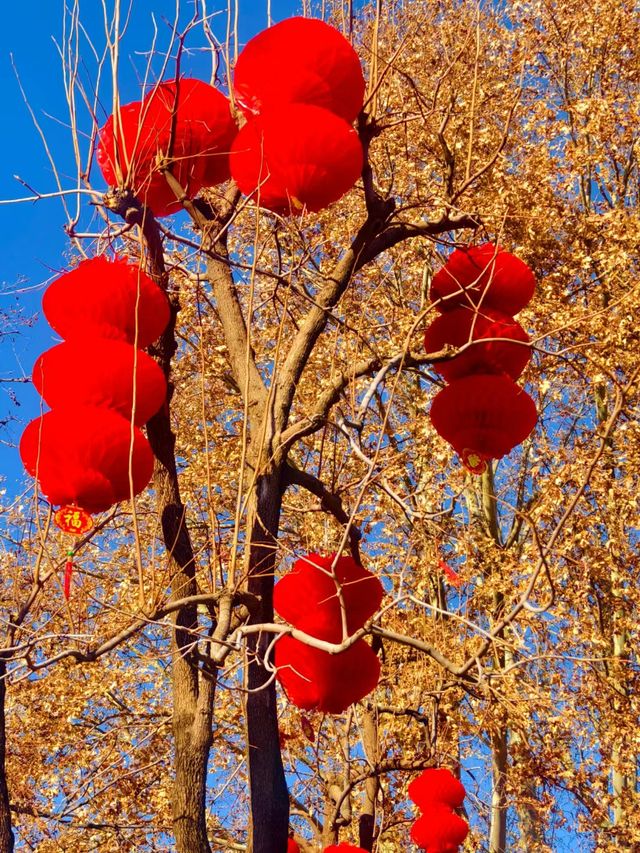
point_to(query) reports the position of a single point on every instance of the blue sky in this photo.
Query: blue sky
(33, 242)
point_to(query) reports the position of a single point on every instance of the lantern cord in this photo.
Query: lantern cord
(68, 572)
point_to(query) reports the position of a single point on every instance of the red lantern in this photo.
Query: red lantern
(199, 135)
(439, 830)
(81, 456)
(300, 60)
(292, 846)
(461, 325)
(344, 848)
(314, 679)
(296, 158)
(483, 276)
(307, 596)
(204, 115)
(437, 785)
(483, 417)
(99, 372)
(106, 299)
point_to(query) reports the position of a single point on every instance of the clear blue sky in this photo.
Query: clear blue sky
(33, 243)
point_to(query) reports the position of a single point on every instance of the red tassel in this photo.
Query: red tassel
(68, 571)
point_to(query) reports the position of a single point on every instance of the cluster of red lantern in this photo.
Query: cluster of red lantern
(184, 120)
(326, 597)
(482, 413)
(437, 793)
(300, 85)
(88, 452)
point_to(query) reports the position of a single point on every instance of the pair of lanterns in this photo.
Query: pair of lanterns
(184, 120)
(437, 793)
(482, 413)
(300, 84)
(88, 452)
(324, 597)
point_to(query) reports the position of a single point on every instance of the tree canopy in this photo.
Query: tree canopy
(144, 712)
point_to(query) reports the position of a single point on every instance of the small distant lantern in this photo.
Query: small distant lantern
(437, 785)
(439, 830)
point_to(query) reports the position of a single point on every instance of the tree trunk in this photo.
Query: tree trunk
(367, 819)
(498, 828)
(6, 833)
(269, 822)
(193, 695)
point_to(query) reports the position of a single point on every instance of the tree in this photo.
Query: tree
(144, 714)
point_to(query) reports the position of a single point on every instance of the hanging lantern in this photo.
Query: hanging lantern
(437, 785)
(461, 325)
(483, 417)
(307, 596)
(483, 276)
(143, 132)
(82, 455)
(106, 299)
(300, 60)
(296, 158)
(292, 846)
(185, 118)
(99, 372)
(344, 848)
(314, 679)
(439, 830)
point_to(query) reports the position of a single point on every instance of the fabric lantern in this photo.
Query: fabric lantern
(300, 60)
(439, 830)
(106, 299)
(437, 785)
(292, 846)
(314, 679)
(188, 116)
(344, 848)
(483, 417)
(143, 131)
(483, 276)
(204, 116)
(81, 456)
(296, 158)
(307, 596)
(99, 372)
(461, 325)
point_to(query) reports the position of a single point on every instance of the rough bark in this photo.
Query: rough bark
(269, 797)
(192, 694)
(367, 819)
(498, 827)
(269, 820)
(6, 832)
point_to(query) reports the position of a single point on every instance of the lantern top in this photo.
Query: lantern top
(300, 60)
